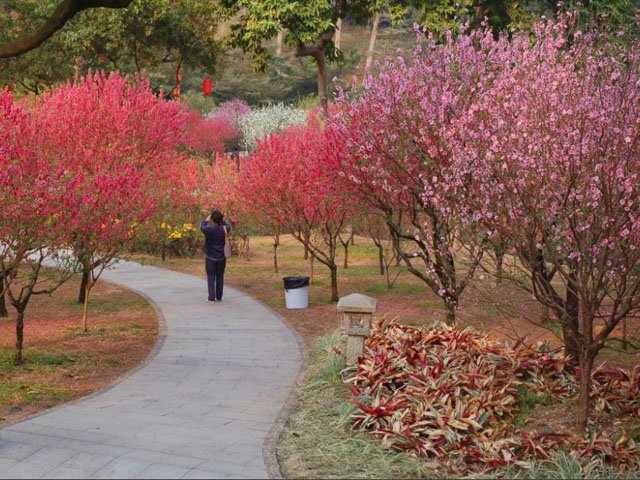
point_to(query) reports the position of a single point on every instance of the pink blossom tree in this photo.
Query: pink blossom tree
(399, 139)
(229, 113)
(554, 148)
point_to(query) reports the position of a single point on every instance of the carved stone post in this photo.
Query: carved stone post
(357, 311)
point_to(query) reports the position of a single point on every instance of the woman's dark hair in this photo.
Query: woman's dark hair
(216, 217)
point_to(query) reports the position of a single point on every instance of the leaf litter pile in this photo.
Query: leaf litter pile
(451, 395)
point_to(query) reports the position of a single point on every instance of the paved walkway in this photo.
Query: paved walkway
(201, 408)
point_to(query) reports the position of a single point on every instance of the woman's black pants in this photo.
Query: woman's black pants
(215, 277)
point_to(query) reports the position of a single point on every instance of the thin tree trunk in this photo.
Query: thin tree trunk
(624, 334)
(372, 42)
(322, 83)
(584, 401)
(346, 254)
(306, 252)
(338, 34)
(86, 272)
(276, 243)
(19, 335)
(571, 324)
(396, 254)
(3, 302)
(450, 311)
(380, 256)
(334, 283)
(499, 262)
(353, 240)
(85, 309)
(311, 262)
(280, 40)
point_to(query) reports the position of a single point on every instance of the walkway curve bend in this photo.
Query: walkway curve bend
(200, 407)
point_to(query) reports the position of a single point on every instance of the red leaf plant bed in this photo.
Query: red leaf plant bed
(452, 395)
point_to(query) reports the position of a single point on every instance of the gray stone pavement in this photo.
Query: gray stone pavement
(200, 408)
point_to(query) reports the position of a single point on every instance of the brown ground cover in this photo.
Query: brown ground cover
(61, 361)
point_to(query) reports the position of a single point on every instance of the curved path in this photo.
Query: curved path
(201, 407)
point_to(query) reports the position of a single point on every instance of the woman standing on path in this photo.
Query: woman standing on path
(215, 233)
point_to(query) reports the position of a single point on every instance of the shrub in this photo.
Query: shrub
(271, 119)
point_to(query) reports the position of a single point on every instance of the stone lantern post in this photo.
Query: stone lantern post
(357, 312)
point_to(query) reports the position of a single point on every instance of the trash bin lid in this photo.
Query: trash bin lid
(295, 282)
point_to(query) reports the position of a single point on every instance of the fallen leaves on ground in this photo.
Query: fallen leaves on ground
(451, 394)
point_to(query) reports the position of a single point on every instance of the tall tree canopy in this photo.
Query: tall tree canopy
(54, 21)
(310, 26)
(158, 35)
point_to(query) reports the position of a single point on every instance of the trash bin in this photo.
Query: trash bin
(296, 292)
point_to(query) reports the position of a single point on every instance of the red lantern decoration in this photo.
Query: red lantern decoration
(176, 91)
(207, 86)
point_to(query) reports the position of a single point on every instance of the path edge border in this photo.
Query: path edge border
(162, 336)
(269, 454)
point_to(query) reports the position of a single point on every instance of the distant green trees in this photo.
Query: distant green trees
(309, 27)
(160, 36)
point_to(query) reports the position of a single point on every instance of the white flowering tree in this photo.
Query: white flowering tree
(263, 121)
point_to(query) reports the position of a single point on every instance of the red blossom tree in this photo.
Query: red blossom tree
(220, 190)
(295, 184)
(34, 193)
(119, 141)
(207, 136)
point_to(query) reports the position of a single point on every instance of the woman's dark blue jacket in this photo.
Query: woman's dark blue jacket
(214, 240)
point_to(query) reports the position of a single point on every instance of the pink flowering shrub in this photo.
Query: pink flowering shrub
(229, 113)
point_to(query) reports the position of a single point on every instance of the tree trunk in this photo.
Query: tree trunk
(353, 240)
(334, 283)
(372, 42)
(499, 263)
(338, 34)
(450, 311)
(275, 255)
(625, 347)
(163, 253)
(311, 262)
(346, 254)
(396, 254)
(85, 310)
(280, 40)
(19, 335)
(306, 252)
(86, 271)
(584, 401)
(322, 82)
(380, 256)
(3, 302)
(570, 324)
